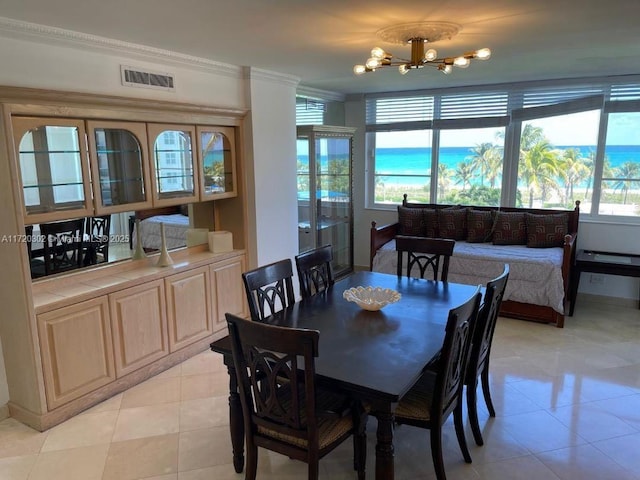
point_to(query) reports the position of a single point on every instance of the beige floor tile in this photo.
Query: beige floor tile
(147, 421)
(205, 362)
(219, 472)
(142, 458)
(623, 450)
(204, 413)
(82, 431)
(152, 392)
(110, 404)
(171, 476)
(593, 422)
(203, 448)
(522, 468)
(205, 385)
(17, 468)
(584, 462)
(85, 463)
(16, 439)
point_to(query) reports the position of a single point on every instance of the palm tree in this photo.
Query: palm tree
(627, 174)
(464, 173)
(573, 170)
(444, 179)
(480, 158)
(537, 168)
(531, 136)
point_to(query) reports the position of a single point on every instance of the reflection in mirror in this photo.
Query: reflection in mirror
(120, 167)
(111, 238)
(173, 158)
(50, 164)
(217, 162)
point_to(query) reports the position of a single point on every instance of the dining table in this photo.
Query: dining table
(374, 356)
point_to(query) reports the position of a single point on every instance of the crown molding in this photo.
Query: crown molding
(29, 31)
(253, 73)
(316, 93)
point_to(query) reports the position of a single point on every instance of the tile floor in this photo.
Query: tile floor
(568, 403)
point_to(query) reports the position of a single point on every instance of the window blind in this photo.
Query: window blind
(399, 110)
(309, 112)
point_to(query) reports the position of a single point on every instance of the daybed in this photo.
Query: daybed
(539, 246)
(176, 224)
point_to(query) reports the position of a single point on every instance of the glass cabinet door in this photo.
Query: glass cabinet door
(120, 167)
(216, 149)
(54, 168)
(325, 208)
(174, 177)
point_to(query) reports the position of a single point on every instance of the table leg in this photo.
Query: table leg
(573, 294)
(384, 446)
(236, 421)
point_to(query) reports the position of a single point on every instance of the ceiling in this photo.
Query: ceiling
(320, 41)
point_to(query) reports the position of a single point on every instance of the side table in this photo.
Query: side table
(609, 263)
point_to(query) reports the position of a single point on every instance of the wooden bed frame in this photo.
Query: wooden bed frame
(526, 311)
(151, 212)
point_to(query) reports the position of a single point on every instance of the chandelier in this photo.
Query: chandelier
(418, 35)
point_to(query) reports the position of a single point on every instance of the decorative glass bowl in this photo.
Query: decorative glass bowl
(371, 298)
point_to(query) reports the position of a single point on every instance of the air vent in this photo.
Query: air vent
(136, 77)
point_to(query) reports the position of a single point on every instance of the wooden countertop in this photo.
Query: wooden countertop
(70, 288)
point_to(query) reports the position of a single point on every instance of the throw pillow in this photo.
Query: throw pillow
(479, 225)
(411, 221)
(452, 223)
(430, 222)
(509, 228)
(545, 231)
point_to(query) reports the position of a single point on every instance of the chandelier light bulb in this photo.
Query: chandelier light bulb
(359, 69)
(483, 54)
(461, 62)
(430, 55)
(403, 69)
(372, 63)
(377, 52)
(446, 69)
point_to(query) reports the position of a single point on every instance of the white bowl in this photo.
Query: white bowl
(371, 298)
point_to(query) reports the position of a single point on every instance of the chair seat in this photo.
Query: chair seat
(416, 404)
(333, 426)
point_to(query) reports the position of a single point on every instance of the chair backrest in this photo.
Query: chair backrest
(28, 230)
(62, 245)
(425, 254)
(275, 368)
(486, 325)
(314, 271)
(269, 288)
(97, 230)
(454, 355)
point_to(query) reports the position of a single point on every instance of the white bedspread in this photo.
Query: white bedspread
(175, 231)
(535, 274)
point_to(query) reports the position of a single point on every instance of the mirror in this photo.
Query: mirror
(173, 159)
(217, 162)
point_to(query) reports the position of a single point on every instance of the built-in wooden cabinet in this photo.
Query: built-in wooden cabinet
(228, 290)
(139, 325)
(77, 350)
(119, 166)
(174, 178)
(53, 168)
(216, 152)
(189, 307)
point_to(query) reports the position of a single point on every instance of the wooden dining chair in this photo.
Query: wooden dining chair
(478, 366)
(269, 288)
(97, 230)
(436, 396)
(315, 273)
(62, 246)
(282, 408)
(425, 254)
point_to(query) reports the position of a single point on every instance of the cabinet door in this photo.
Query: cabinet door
(228, 290)
(54, 169)
(139, 325)
(77, 350)
(189, 307)
(174, 176)
(119, 166)
(217, 160)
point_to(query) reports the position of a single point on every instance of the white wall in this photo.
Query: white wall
(51, 59)
(272, 170)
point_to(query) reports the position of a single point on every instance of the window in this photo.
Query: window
(542, 145)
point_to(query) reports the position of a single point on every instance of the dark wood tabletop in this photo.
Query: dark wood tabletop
(377, 356)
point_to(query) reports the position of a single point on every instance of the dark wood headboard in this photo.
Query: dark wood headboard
(152, 212)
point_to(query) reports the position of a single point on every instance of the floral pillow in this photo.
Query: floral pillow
(509, 228)
(452, 223)
(479, 225)
(545, 231)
